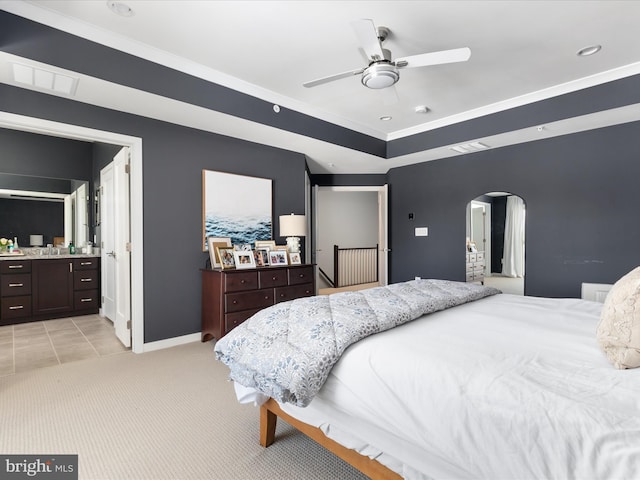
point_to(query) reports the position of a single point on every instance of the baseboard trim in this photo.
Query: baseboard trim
(171, 342)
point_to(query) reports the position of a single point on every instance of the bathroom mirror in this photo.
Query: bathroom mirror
(57, 209)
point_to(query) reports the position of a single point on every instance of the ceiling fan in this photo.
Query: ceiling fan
(382, 72)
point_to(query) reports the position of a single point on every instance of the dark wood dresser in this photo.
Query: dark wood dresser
(229, 297)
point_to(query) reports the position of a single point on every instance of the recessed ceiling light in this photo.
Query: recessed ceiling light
(121, 9)
(590, 50)
(386, 118)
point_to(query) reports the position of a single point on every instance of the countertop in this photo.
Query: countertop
(36, 256)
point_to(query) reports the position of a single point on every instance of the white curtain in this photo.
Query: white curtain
(513, 264)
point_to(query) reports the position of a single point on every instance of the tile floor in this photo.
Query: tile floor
(27, 346)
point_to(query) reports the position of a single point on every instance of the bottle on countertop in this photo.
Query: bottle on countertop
(15, 243)
(72, 248)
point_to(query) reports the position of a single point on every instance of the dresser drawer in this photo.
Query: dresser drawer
(272, 278)
(232, 320)
(480, 257)
(86, 263)
(235, 302)
(237, 282)
(289, 293)
(15, 266)
(16, 307)
(15, 285)
(85, 299)
(85, 279)
(300, 275)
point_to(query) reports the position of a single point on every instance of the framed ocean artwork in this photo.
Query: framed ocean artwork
(236, 206)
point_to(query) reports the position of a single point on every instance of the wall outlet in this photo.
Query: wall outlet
(422, 232)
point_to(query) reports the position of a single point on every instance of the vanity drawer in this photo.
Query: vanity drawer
(90, 263)
(15, 285)
(85, 299)
(235, 302)
(272, 278)
(298, 276)
(16, 307)
(237, 282)
(85, 279)
(15, 266)
(289, 293)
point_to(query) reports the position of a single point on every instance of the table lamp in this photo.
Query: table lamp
(293, 227)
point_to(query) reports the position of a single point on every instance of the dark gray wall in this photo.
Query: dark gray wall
(21, 218)
(43, 155)
(173, 160)
(581, 195)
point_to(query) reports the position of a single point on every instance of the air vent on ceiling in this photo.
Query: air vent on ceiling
(470, 147)
(44, 79)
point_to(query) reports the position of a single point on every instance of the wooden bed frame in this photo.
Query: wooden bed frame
(269, 413)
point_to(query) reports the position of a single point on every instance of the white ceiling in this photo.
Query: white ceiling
(521, 52)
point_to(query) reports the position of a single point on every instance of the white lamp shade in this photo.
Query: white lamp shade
(293, 225)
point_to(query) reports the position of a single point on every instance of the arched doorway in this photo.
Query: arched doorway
(495, 229)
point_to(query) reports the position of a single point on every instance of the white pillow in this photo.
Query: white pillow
(618, 332)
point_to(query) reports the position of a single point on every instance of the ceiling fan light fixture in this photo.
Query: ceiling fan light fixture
(380, 75)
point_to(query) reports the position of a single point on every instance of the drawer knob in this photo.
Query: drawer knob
(85, 279)
(16, 284)
(86, 263)
(16, 307)
(301, 275)
(235, 302)
(266, 297)
(86, 299)
(274, 278)
(243, 281)
(15, 266)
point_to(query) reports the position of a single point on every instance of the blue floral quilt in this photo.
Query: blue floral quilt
(287, 351)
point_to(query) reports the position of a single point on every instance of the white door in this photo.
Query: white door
(115, 252)
(383, 235)
(107, 242)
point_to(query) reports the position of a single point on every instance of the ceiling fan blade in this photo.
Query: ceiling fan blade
(368, 38)
(434, 58)
(331, 78)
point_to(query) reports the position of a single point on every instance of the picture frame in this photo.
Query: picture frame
(244, 259)
(236, 206)
(213, 243)
(227, 259)
(295, 258)
(244, 247)
(278, 258)
(268, 244)
(261, 256)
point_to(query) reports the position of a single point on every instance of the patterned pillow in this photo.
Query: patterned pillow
(618, 332)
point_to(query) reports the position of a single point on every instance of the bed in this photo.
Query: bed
(497, 387)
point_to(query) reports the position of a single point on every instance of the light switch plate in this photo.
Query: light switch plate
(422, 232)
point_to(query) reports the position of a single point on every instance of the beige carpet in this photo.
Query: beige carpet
(168, 414)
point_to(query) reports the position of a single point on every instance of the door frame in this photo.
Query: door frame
(383, 225)
(75, 132)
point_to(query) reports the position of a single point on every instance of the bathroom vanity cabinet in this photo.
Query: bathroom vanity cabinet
(37, 288)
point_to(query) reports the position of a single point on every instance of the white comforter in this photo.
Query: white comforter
(507, 387)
